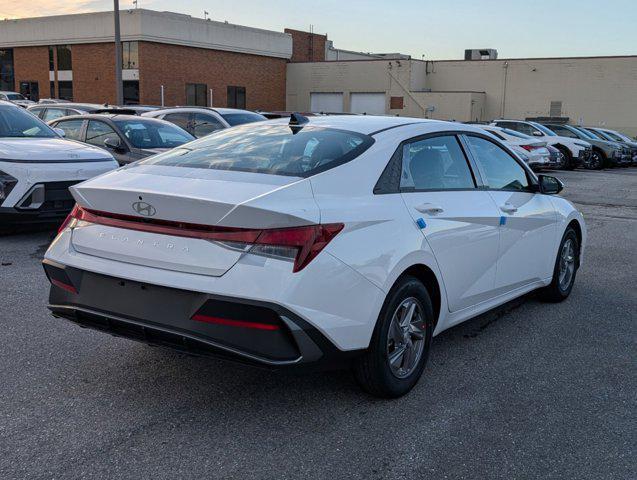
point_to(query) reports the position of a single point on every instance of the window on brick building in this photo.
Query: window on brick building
(65, 91)
(6, 69)
(52, 88)
(130, 55)
(236, 97)
(196, 94)
(51, 60)
(131, 92)
(64, 58)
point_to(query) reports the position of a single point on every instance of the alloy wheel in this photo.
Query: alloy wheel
(406, 338)
(567, 264)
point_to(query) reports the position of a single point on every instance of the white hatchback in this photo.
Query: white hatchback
(348, 240)
(37, 167)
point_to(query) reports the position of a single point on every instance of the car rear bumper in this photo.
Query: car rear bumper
(254, 332)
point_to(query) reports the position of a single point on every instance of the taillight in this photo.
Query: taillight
(300, 244)
(530, 148)
(69, 218)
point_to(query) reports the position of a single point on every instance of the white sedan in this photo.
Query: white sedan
(348, 240)
(37, 167)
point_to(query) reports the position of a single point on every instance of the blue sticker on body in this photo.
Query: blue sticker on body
(503, 220)
(421, 223)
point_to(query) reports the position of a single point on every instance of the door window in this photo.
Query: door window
(435, 164)
(97, 132)
(501, 170)
(205, 124)
(53, 113)
(180, 119)
(72, 128)
(38, 111)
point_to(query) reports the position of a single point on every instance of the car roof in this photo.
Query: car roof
(109, 116)
(368, 124)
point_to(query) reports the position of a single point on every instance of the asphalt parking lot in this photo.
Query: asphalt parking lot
(533, 390)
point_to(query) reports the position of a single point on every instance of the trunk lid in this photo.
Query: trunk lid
(194, 196)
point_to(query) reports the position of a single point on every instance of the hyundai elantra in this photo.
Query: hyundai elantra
(336, 240)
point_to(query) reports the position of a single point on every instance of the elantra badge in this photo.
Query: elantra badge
(145, 209)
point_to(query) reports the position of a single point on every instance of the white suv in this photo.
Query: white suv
(37, 167)
(576, 152)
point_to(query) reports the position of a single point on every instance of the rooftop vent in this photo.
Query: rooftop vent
(481, 54)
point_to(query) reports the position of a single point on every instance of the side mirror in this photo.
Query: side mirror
(537, 133)
(60, 132)
(114, 144)
(550, 185)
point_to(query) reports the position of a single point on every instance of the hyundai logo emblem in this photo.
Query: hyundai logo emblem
(145, 209)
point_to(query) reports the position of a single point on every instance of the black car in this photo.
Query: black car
(127, 137)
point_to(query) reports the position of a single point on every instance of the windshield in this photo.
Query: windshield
(242, 117)
(272, 149)
(614, 136)
(15, 96)
(545, 130)
(153, 134)
(604, 135)
(586, 133)
(17, 122)
(592, 134)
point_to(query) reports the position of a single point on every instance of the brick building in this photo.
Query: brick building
(186, 60)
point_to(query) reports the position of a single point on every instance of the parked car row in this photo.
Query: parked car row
(134, 132)
(586, 147)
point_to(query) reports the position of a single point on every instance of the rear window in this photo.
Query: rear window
(242, 117)
(271, 149)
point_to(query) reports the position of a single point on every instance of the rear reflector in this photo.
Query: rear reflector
(64, 286)
(308, 241)
(233, 323)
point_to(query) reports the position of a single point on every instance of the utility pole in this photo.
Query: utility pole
(119, 94)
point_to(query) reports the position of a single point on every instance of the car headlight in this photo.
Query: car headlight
(7, 182)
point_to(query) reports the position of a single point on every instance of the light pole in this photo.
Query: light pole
(119, 94)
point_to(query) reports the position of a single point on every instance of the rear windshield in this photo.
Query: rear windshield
(272, 149)
(242, 117)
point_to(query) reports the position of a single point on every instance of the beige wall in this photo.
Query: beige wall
(357, 76)
(593, 91)
(460, 106)
(395, 78)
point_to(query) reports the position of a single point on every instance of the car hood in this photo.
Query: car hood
(50, 149)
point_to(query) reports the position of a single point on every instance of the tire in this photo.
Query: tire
(597, 160)
(374, 372)
(559, 289)
(568, 159)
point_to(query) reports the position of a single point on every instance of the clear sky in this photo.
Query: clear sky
(438, 29)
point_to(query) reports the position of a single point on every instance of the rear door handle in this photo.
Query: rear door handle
(430, 209)
(508, 208)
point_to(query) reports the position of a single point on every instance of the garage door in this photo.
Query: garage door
(326, 102)
(369, 103)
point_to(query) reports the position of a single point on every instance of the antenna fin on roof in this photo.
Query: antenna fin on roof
(298, 120)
